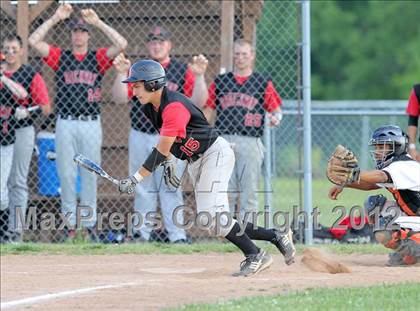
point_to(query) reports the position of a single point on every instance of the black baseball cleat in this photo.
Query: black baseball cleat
(284, 243)
(254, 263)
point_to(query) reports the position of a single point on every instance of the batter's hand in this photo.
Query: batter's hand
(64, 11)
(198, 65)
(90, 16)
(334, 192)
(121, 64)
(21, 113)
(169, 174)
(127, 185)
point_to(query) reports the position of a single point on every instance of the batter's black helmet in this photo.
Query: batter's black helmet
(149, 71)
(388, 135)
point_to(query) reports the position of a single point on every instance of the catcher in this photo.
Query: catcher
(396, 223)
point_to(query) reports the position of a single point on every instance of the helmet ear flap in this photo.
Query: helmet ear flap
(154, 85)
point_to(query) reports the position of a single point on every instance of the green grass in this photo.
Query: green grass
(161, 248)
(383, 297)
(286, 195)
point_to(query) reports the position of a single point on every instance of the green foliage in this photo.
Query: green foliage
(360, 49)
(364, 298)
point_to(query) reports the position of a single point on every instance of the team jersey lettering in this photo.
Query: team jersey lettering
(235, 99)
(80, 76)
(253, 119)
(190, 146)
(94, 95)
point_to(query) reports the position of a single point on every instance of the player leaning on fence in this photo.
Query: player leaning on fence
(184, 133)
(79, 74)
(240, 100)
(36, 98)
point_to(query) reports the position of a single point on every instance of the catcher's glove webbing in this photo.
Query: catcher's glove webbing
(342, 168)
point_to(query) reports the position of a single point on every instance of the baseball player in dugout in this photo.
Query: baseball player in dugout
(413, 111)
(21, 87)
(185, 134)
(396, 222)
(188, 80)
(79, 74)
(238, 101)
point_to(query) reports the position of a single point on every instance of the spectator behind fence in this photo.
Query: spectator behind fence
(240, 99)
(79, 74)
(36, 94)
(188, 80)
(7, 139)
(413, 111)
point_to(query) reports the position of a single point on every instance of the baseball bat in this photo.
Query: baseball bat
(34, 108)
(91, 166)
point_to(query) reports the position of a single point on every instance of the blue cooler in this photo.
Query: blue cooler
(48, 181)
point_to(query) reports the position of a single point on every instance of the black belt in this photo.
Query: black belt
(80, 118)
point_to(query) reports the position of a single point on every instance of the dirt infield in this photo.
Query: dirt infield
(152, 282)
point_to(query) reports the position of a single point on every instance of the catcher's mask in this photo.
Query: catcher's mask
(149, 71)
(387, 142)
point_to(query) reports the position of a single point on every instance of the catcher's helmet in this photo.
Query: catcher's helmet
(149, 71)
(393, 141)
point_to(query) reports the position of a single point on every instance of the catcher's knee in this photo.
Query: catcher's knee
(389, 239)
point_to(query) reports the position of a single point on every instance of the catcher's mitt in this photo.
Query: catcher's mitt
(342, 168)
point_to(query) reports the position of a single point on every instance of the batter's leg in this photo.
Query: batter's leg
(170, 200)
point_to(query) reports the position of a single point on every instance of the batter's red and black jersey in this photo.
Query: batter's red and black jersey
(197, 136)
(407, 200)
(78, 85)
(240, 107)
(176, 80)
(33, 83)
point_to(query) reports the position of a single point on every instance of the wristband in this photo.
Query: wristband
(154, 160)
(411, 146)
(138, 177)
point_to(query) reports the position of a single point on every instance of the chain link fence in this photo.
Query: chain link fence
(87, 119)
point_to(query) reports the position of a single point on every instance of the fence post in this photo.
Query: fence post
(364, 143)
(23, 26)
(268, 191)
(226, 37)
(307, 150)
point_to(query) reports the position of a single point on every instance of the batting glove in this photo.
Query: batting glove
(21, 113)
(169, 174)
(128, 185)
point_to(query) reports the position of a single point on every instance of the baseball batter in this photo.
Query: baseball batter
(398, 173)
(79, 75)
(186, 135)
(189, 80)
(36, 95)
(240, 100)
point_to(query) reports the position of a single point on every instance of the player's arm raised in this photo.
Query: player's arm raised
(119, 90)
(119, 43)
(36, 40)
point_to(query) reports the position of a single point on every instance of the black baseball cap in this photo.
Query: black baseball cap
(158, 33)
(80, 23)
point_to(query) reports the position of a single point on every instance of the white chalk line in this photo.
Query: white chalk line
(41, 298)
